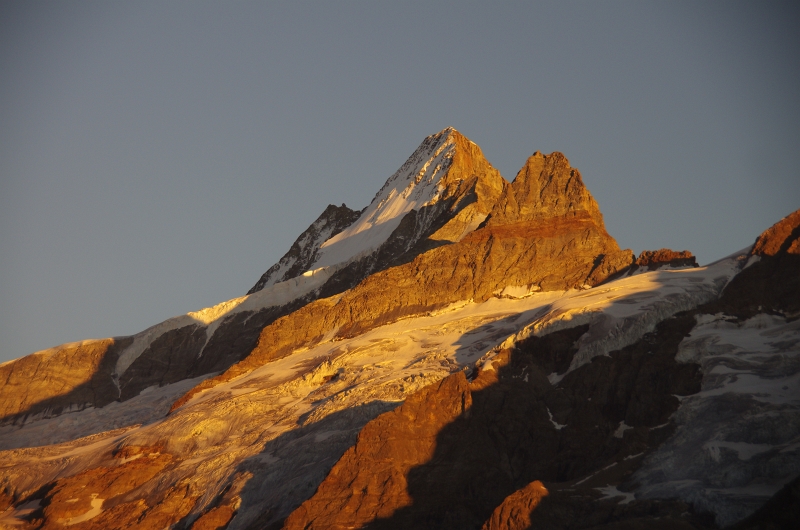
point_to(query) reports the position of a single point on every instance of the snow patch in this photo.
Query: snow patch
(517, 291)
(97, 509)
(557, 425)
(611, 492)
(620, 432)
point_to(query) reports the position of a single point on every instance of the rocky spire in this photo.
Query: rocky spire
(546, 187)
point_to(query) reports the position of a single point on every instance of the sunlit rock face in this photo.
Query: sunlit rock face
(66, 378)
(464, 352)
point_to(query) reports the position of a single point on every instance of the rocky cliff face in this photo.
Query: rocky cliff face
(465, 352)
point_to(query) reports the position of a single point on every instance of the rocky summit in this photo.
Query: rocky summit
(464, 352)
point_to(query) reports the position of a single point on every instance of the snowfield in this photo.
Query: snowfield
(738, 439)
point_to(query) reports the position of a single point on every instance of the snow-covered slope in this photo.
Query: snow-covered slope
(620, 312)
(305, 249)
(738, 439)
(211, 317)
(414, 185)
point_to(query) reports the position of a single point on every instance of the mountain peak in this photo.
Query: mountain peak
(546, 186)
(444, 166)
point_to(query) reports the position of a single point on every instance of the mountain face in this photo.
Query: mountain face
(464, 352)
(304, 252)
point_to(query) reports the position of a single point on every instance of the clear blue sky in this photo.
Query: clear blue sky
(157, 158)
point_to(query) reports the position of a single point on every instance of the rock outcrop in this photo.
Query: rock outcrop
(65, 378)
(514, 513)
(781, 238)
(771, 280)
(655, 259)
(370, 480)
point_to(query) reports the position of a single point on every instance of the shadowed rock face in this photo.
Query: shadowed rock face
(771, 281)
(782, 511)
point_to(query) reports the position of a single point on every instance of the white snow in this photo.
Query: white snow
(319, 232)
(611, 492)
(97, 508)
(414, 185)
(748, 404)
(557, 425)
(620, 432)
(211, 317)
(273, 417)
(620, 312)
(517, 291)
(751, 357)
(148, 406)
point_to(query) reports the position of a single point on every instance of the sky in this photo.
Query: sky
(157, 157)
